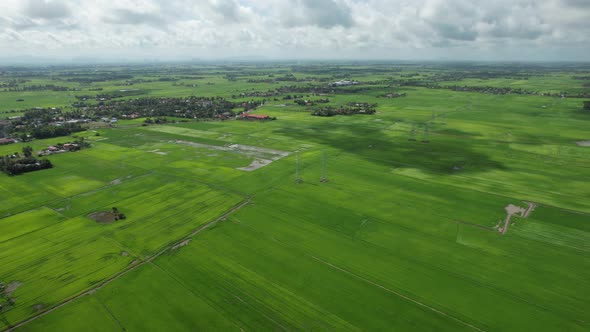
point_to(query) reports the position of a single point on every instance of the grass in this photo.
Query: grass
(400, 238)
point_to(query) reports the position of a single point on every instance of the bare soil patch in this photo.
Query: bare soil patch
(515, 210)
(263, 156)
(103, 217)
(256, 164)
(583, 143)
(11, 287)
(157, 151)
(181, 244)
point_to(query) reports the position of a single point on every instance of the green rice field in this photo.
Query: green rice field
(406, 235)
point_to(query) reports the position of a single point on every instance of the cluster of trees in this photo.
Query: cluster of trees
(252, 104)
(157, 120)
(286, 78)
(189, 107)
(483, 74)
(303, 102)
(40, 123)
(308, 88)
(111, 95)
(289, 97)
(49, 87)
(394, 95)
(483, 89)
(16, 164)
(12, 83)
(118, 215)
(343, 72)
(49, 131)
(349, 110)
(268, 93)
(38, 114)
(362, 105)
(98, 77)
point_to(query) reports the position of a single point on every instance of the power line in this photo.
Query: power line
(324, 177)
(298, 178)
(425, 138)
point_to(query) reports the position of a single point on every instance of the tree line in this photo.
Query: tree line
(15, 164)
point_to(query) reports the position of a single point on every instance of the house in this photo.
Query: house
(130, 116)
(4, 141)
(52, 148)
(71, 146)
(344, 83)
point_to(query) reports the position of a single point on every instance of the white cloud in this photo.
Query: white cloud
(499, 29)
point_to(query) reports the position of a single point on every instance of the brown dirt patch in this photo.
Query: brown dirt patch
(103, 217)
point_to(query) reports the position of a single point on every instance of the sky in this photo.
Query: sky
(490, 30)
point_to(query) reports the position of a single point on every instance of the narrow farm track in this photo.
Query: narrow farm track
(132, 267)
(399, 294)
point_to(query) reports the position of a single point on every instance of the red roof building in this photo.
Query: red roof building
(255, 116)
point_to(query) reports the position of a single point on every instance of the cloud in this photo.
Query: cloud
(20, 22)
(229, 10)
(46, 9)
(455, 32)
(320, 13)
(550, 29)
(128, 16)
(584, 4)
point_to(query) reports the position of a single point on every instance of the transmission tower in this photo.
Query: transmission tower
(412, 133)
(425, 138)
(324, 177)
(298, 178)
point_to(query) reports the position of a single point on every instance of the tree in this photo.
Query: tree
(115, 210)
(27, 151)
(587, 105)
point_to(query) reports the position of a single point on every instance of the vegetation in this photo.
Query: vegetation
(14, 164)
(350, 109)
(403, 236)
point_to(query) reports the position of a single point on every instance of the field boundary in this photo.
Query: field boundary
(132, 266)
